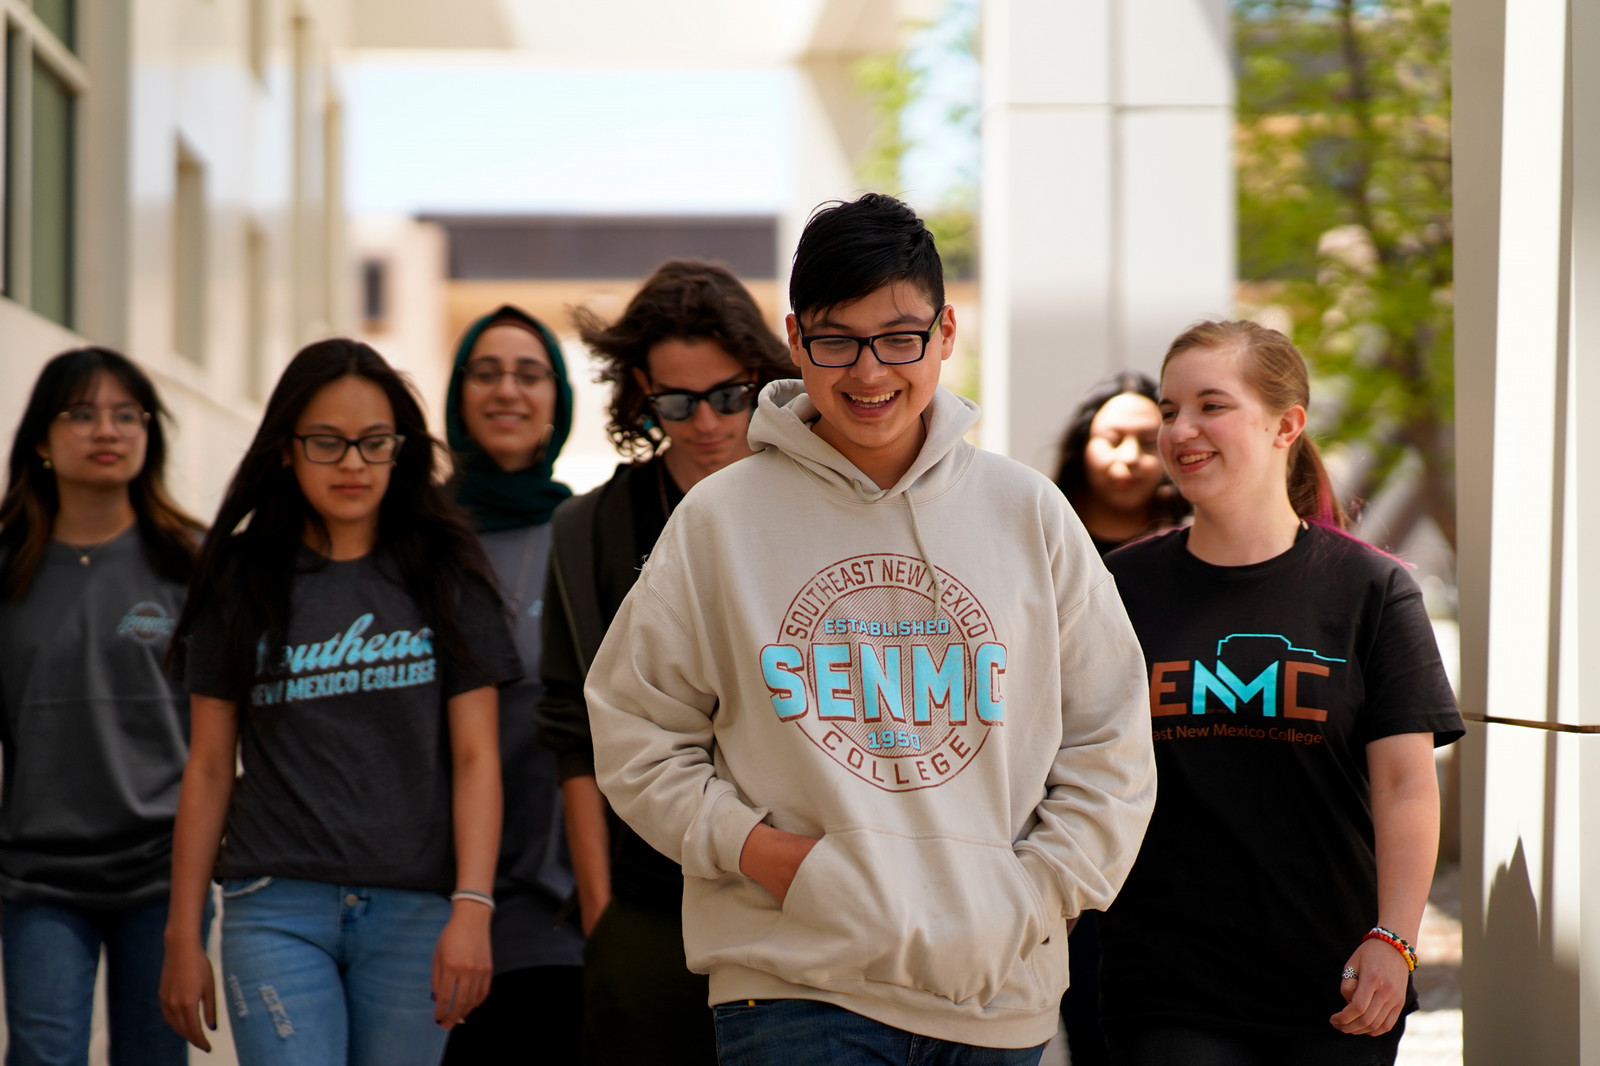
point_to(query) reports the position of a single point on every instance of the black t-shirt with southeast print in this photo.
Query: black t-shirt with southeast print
(344, 744)
(1257, 877)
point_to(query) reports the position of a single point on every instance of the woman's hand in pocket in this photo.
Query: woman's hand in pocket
(771, 857)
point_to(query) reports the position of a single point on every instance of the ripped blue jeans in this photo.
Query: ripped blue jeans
(319, 974)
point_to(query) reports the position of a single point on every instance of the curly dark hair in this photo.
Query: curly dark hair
(683, 300)
(1073, 481)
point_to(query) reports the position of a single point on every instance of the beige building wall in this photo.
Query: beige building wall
(208, 217)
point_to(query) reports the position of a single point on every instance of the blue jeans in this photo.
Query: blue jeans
(803, 1032)
(52, 954)
(1205, 1047)
(317, 975)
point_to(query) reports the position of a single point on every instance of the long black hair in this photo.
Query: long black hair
(1073, 480)
(248, 561)
(32, 500)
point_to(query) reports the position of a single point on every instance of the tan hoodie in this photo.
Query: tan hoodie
(979, 771)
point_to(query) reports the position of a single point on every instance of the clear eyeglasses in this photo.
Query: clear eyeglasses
(127, 419)
(328, 448)
(488, 375)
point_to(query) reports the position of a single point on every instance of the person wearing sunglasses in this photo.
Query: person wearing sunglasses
(685, 361)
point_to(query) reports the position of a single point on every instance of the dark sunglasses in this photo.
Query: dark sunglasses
(676, 405)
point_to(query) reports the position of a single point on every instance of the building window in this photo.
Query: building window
(189, 257)
(44, 85)
(255, 312)
(60, 18)
(258, 34)
(375, 296)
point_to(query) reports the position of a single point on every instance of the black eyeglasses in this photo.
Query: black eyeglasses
(488, 375)
(328, 448)
(838, 350)
(676, 405)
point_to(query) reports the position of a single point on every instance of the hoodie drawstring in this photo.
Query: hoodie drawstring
(933, 571)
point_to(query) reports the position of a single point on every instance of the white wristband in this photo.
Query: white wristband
(475, 896)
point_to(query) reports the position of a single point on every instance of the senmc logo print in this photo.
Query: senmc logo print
(898, 687)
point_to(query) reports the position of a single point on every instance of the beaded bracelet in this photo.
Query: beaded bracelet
(475, 896)
(1396, 941)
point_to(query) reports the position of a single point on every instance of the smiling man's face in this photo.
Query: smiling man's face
(871, 412)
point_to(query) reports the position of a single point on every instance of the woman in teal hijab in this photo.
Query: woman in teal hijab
(507, 414)
(508, 365)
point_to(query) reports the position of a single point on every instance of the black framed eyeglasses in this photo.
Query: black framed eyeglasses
(677, 405)
(488, 374)
(84, 418)
(838, 350)
(329, 448)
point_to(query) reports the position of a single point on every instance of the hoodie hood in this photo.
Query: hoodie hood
(784, 417)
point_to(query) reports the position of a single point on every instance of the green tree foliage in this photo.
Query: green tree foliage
(896, 83)
(1343, 147)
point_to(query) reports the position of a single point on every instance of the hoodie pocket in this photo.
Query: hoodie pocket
(946, 915)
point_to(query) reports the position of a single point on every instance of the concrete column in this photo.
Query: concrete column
(832, 128)
(1527, 205)
(1108, 202)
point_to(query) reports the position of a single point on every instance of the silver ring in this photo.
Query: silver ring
(1350, 973)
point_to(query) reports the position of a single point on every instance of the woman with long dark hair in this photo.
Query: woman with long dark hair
(1108, 467)
(344, 646)
(507, 414)
(94, 561)
(1110, 471)
(1296, 696)
(685, 360)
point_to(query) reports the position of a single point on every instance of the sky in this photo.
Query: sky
(504, 138)
(488, 134)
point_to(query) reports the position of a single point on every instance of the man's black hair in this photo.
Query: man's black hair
(849, 250)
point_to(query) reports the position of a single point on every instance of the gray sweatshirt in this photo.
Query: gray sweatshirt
(937, 679)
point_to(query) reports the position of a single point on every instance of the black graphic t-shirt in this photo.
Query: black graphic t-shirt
(1257, 877)
(344, 743)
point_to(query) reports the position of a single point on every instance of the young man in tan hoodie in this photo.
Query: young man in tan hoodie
(876, 694)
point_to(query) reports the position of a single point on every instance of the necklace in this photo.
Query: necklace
(84, 553)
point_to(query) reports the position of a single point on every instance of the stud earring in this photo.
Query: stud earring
(47, 464)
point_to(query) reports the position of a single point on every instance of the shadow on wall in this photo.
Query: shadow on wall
(1524, 1001)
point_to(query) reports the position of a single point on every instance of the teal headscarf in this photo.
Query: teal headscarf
(508, 499)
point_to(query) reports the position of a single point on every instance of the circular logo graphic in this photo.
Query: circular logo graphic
(897, 680)
(146, 622)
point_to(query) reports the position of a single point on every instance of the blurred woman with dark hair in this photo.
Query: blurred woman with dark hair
(1109, 469)
(685, 361)
(94, 562)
